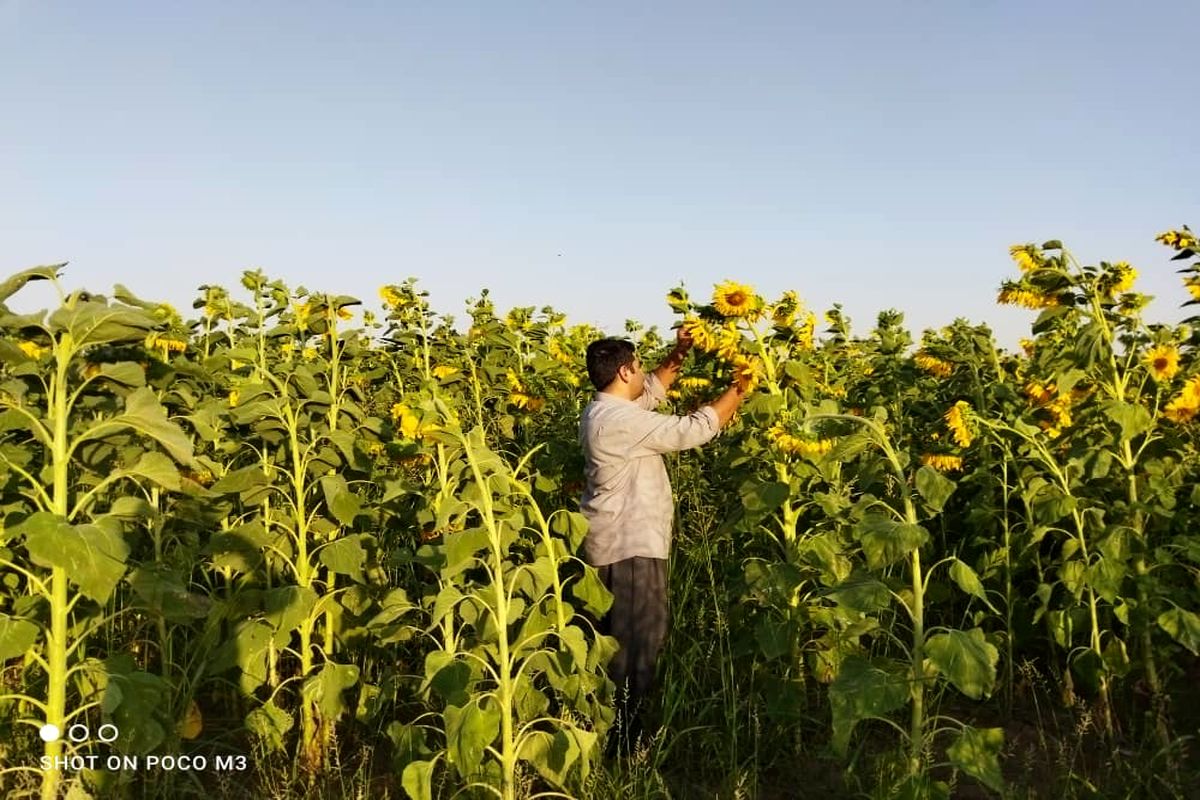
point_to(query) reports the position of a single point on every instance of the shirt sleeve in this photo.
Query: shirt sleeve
(653, 394)
(651, 433)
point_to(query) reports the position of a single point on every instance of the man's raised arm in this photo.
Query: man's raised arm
(668, 370)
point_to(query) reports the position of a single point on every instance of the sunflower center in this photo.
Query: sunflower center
(1160, 363)
(736, 298)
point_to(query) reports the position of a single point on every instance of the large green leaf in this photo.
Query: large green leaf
(934, 487)
(157, 468)
(1184, 626)
(15, 283)
(1133, 418)
(147, 416)
(417, 780)
(271, 723)
(976, 752)
(968, 581)
(92, 556)
(592, 592)
(345, 556)
(862, 690)
(469, 729)
(16, 636)
(93, 322)
(967, 660)
(551, 754)
(886, 541)
(326, 687)
(342, 503)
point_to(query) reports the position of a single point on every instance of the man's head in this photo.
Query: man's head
(614, 367)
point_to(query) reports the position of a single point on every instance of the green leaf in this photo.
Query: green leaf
(967, 660)
(93, 557)
(862, 690)
(969, 582)
(270, 723)
(93, 322)
(16, 636)
(15, 283)
(285, 608)
(341, 502)
(158, 468)
(862, 593)
(147, 416)
(760, 498)
(1184, 627)
(449, 677)
(885, 541)
(469, 730)
(345, 556)
(552, 755)
(1133, 418)
(241, 480)
(592, 592)
(326, 687)
(976, 752)
(934, 487)
(417, 780)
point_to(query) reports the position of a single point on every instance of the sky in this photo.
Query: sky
(591, 156)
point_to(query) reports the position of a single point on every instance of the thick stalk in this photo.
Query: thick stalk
(56, 658)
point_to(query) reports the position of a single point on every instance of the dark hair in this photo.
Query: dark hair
(605, 357)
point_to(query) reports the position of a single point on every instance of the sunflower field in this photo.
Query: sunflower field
(292, 547)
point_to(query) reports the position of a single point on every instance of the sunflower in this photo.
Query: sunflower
(390, 296)
(933, 365)
(1012, 294)
(810, 448)
(1163, 361)
(1025, 256)
(1193, 286)
(1118, 279)
(1180, 240)
(442, 371)
(1028, 345)
(805, 334)
(733, 299)
(702, 336)
(957, 423)
(694, 383)
(746, 372)
(1184, 405)
(1040, 394)
(942, 462)
(31, 349)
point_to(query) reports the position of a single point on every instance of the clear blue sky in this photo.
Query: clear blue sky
(878, 154)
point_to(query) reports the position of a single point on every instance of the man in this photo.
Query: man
(628, 504)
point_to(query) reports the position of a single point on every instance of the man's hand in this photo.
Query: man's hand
(683, 340)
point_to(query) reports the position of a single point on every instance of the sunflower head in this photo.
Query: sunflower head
(1163, 362)
(733, 299)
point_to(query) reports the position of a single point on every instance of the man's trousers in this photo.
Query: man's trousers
(638, 620)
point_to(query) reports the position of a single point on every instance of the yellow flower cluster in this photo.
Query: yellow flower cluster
(933, 365)
(345, 313)
(957, 423)
(747, 371)
(1060, 411)
(1028, 345)
(1015, 295)
(1163, 362)
(694, 383)
(31, 349)
(520, 396)
(810, 448)
(1183, 406)
(1180, 240)
(234, 396)
(942, 462)
(156, 341)
(443, 371)
(733, 299)
(806, 333)
(410, 424)
(1026, 256)
(1040, 394)
(558, 354)
(784, 312)
(1119, 279)
(390, 297)
(302, 312)
(1192, 284)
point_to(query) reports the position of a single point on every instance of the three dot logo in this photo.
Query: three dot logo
(79, 733)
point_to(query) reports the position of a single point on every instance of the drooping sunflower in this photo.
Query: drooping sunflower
(733, 299)
(1192, 284)
(957, 423)
(1163, 362)
(942, 462)
(1179, 240)
(933, 364)
(1184, 405)
(1013, 294)
(1024, 255)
